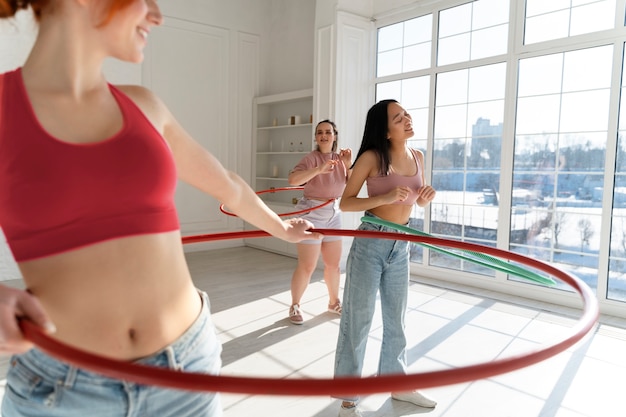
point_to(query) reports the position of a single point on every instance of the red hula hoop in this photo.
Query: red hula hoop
(164, 377)
(291, 213)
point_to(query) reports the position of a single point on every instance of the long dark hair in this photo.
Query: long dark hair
(330, 122)
(375, 134)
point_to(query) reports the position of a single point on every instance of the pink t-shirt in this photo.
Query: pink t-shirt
(328, 185)
(382, 184)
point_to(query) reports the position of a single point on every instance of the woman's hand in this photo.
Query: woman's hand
(328, 167)
(397, 194)
(426, 194)
(14, 305)
(298, 229)
(345, 154)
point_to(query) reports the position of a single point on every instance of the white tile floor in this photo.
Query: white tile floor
(250, 296)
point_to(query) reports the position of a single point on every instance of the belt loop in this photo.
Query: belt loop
(70, 378)
(171, 359)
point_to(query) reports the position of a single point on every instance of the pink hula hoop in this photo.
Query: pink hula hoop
(291, 213)
(338, 386)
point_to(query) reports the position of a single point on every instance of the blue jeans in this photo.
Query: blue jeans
(374, 266)
(39, 385)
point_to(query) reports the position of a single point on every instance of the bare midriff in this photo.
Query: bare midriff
(124, 298)
(396, 213)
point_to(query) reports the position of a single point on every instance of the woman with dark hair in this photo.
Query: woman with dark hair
(394, 175)
(88, 172)
(324, 173)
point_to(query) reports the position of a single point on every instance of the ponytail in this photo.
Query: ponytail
(8, 8)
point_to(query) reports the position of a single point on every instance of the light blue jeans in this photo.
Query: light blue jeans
(374, 266)
(39, 385)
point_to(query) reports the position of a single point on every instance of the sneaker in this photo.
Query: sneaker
(349, 412)
(335, 308)
(295, 314)
(414, 397)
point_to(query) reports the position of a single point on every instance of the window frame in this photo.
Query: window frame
(516, 51)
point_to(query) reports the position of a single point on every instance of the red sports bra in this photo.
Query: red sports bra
(56, 196)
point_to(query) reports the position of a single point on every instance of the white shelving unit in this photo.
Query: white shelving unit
(283, 134)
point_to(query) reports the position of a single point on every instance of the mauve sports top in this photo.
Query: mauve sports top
(382, 184)
(57, 196)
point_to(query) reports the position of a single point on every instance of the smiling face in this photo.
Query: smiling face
(399, 124)
(325, 137)
(126, 32)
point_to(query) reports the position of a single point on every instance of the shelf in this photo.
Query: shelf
(285, 126)
(272, 138)
(285, 97)
(283, 153)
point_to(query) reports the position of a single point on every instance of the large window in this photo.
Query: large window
(521, 124)
(404, 47)
(472, 30)
(554, 19)
(469, 111)
(560, 146)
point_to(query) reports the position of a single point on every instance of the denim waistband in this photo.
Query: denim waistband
(381, 227)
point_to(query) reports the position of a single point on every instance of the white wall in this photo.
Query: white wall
(235, 51)
(291, 48)
(285, 28)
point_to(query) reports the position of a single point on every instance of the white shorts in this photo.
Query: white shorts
(327, 217)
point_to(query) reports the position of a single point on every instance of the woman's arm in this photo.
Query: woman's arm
(199, 168)
(302, 176)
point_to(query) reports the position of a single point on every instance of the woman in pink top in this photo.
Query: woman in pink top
(394, 174)
(324, 173)
(125, 293)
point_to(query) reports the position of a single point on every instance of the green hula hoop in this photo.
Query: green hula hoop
(471, 256)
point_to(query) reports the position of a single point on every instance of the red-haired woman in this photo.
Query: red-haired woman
(87, 178)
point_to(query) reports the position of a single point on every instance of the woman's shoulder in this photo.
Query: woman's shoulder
(314, 154)
(138, 93)
(369, 154)
(369, 163)
(369, 157)
(418, 154)
(149, 103)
